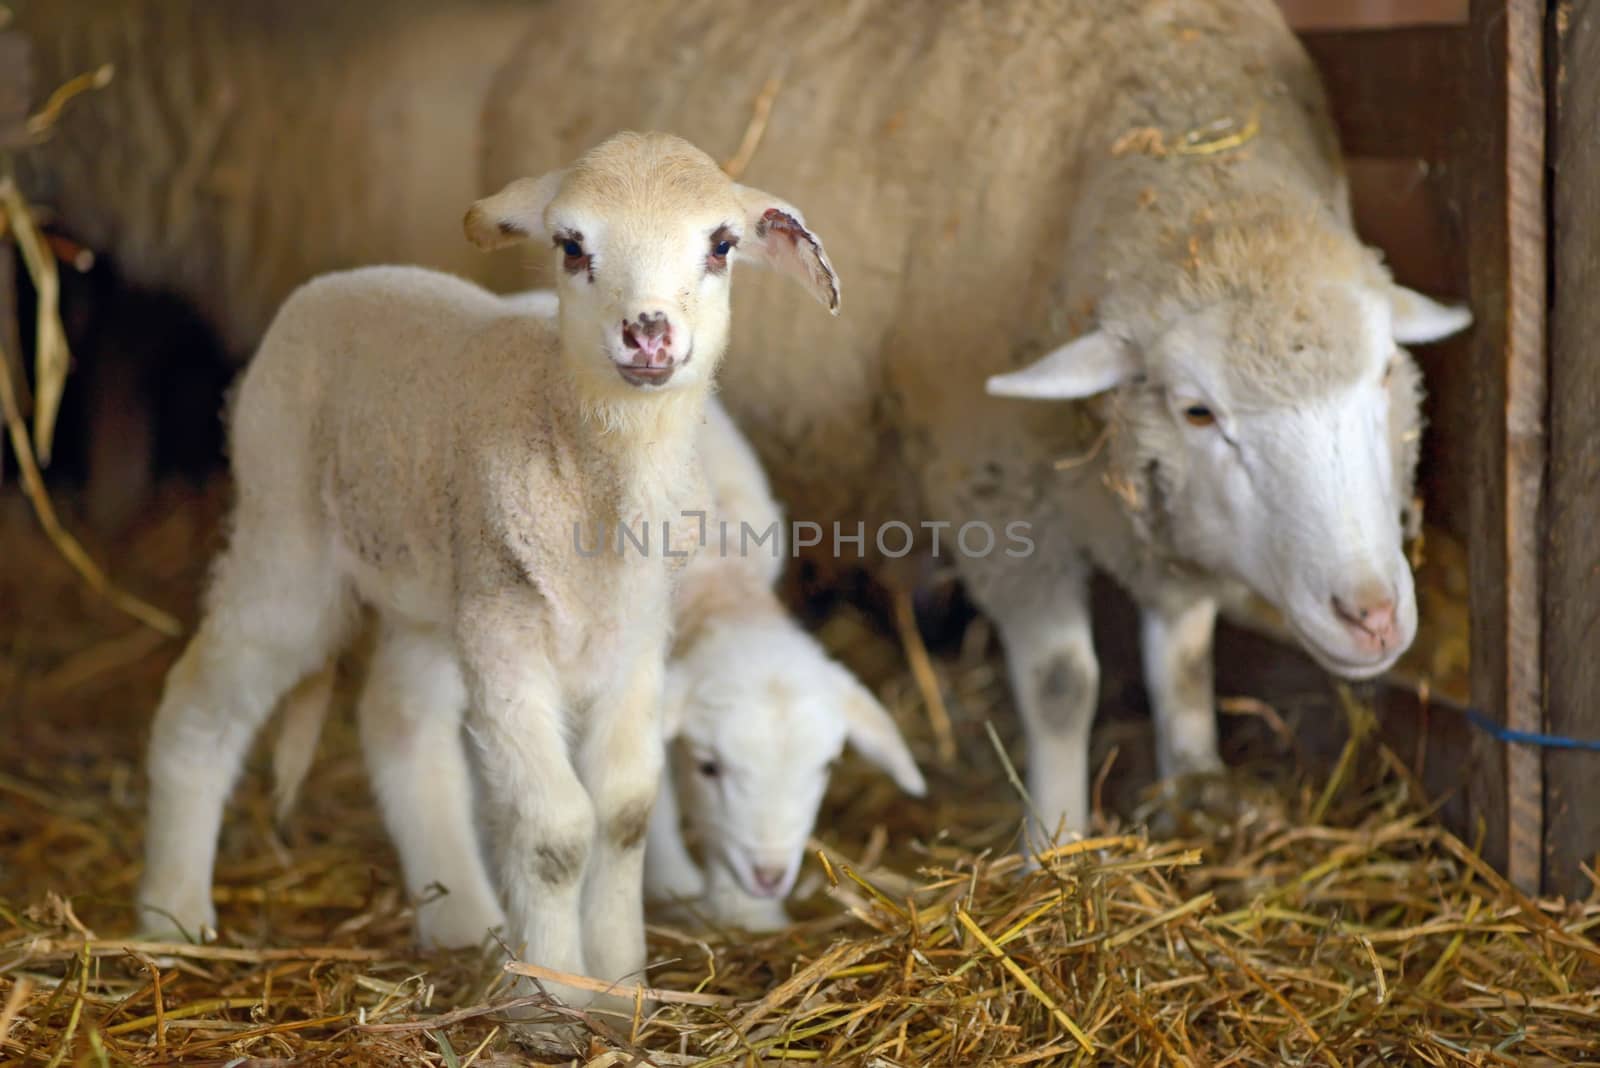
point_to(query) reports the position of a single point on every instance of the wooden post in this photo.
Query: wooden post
(1572, 532)
(1506, 243)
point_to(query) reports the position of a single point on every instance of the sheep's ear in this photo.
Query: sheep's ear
(777, 236)
(1081, 368)
(514, 214)
(873, 733)
(1417, 319)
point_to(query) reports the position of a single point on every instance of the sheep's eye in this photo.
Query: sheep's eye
(1199, 415)
(709, 768)
(1388, 373)
(722, 249)
(572, 249)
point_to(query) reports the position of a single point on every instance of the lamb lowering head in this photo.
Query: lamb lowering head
(649, 285)
(1263, 427)
(761, 714)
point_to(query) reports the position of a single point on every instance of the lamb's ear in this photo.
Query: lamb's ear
(514, 214)
(1417, 319)
(674, 700)
(873, 733)
(1081, 368)
(777, 236)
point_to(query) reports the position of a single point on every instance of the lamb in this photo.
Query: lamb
(1157, 180)
(405, 441)
(759, 711)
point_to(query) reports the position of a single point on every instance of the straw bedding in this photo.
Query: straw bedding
(1283, 920)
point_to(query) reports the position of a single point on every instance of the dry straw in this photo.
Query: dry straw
(1331, 925)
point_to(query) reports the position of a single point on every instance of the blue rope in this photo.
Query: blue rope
(1543, 741)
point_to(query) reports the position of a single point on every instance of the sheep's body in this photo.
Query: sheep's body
(408, 441)
(1010, 175)
(246, 148)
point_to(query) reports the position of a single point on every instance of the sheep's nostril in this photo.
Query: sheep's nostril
(1373, 618)
(628, 337)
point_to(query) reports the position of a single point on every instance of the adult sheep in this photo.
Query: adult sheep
(1155, 184)
(1158, 181)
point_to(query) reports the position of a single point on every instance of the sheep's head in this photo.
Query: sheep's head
(643, 231)
(760, 714)
(1271, 440)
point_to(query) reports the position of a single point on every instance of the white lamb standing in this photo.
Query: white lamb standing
(756, 716)
(402, 441)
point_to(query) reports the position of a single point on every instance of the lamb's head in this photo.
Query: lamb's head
(760, 714)
(1267, 434)
(643, 231)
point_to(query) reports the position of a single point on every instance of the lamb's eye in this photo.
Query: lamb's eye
(709, 768)
(1199, 415)
(722, 243)
(1388, 373)
(572, 249)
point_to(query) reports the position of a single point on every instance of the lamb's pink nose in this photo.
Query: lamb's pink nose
(1370, 618)
(768, 879)
(651, 335)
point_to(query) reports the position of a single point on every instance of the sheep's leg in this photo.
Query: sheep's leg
(1055, 678)
(540, 820)
(276, 611)
(1176, 638)
(669, 871)
(410, 715)
(620, 759)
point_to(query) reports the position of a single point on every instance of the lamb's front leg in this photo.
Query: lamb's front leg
(620, 759)
(540, 819)
(1176, 637)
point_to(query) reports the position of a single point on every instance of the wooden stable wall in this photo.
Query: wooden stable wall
(1570, 549)
(1500, 100)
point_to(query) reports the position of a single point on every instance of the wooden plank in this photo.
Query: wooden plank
(1506, 243)
(1371, 14)
(1572, 547)
(1396, 93)
(1411, 209)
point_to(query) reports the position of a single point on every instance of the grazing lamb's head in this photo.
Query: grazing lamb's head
(1263, 425)
(760, 715)
(643, 231)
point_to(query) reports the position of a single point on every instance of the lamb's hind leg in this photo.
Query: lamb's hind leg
(276, 610)
(410, 713)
